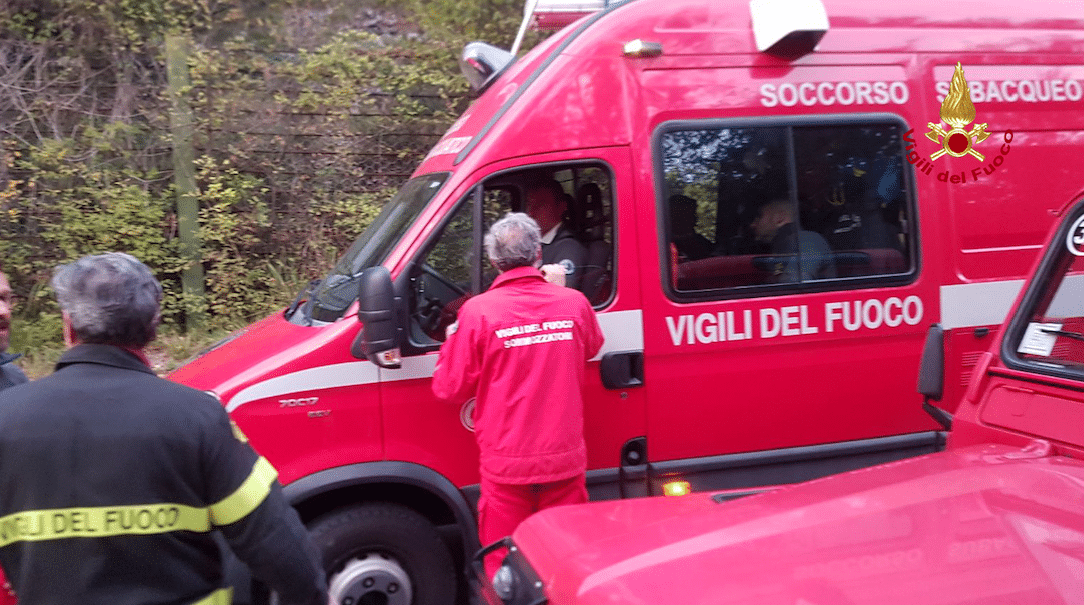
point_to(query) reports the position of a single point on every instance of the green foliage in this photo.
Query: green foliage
(82, 196)
(492, 21)
(234, 225)
(298, 148)
(100, 24)
(30, 334)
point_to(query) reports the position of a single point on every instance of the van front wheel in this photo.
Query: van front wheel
(384, 554)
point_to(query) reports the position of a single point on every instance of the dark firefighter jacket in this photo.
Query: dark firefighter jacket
(10, 374)
(112, 481)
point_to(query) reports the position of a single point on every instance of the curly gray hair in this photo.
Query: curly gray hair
(514, 241)
(110, 299)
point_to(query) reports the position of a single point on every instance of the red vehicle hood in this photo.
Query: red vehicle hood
(989, 524)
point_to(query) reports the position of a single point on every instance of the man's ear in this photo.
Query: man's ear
(70, 339)
(780, 218)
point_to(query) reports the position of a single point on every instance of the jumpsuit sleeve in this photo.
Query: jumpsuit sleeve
(247, 505)
(455, 378)
(594, 337)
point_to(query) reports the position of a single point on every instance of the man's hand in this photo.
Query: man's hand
(554, 274)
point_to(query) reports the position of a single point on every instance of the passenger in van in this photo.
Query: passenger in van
(805, 254)
(690, 244)
(547, 204)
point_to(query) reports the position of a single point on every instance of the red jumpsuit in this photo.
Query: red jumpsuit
(520, 348)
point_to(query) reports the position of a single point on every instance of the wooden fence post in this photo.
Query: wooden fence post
(184, 179)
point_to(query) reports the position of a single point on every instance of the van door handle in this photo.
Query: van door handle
(622, 369)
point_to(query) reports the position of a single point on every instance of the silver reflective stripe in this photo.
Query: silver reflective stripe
(977, 304)
(624, 331)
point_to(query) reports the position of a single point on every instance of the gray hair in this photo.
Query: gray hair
(110, 298)
(514, 241)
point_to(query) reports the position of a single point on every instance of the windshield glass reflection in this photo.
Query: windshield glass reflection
(332, 296)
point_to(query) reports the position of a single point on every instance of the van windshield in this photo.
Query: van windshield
(1052, 339)
(332, 296)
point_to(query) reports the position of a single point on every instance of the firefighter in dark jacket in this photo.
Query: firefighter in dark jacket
(10, 374)
(113, 481)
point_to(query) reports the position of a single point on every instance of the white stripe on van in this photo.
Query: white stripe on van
(978, 304)
(624, 331)
(323, 377)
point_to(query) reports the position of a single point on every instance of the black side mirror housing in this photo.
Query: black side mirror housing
(931, 369)
(380, 337)
(931, 375)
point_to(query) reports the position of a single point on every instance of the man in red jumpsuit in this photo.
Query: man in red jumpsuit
(520, 348)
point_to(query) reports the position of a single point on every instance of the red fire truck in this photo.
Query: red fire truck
(995, 518)
(908, 140)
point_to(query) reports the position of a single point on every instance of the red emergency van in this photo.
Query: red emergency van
(995, 518)
(903, 144)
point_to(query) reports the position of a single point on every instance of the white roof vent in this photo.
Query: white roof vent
(788, 28)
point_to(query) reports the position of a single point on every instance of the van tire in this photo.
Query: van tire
(376, 548)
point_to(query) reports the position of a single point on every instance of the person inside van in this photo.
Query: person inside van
(805, 255)
(547, 203)
(690, 244)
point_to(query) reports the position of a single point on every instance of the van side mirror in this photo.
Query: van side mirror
(379, 337)
(931, 375)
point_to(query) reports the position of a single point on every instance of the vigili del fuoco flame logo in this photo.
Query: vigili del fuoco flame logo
(957, 111)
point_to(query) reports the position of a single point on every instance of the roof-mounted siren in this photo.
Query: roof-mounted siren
(788, 28)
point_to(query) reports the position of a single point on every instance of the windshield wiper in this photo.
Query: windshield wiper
(305, 292)
(1066, 333)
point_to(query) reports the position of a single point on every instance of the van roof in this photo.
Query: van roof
(691, 28)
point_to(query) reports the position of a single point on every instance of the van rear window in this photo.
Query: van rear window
(777, 205)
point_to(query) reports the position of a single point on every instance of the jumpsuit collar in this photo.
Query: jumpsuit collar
(517, 273)
(110, 355)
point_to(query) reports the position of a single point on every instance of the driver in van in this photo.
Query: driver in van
(546, 203)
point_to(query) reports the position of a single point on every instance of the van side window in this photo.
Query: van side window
(783, 205)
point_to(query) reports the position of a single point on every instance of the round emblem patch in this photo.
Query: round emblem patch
(466, 415)
(1075, 239)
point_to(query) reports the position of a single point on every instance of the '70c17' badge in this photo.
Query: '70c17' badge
(957, 111)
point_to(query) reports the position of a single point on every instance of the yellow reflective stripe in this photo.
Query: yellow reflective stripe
(246, 498)
(222, 596)
(101, 521)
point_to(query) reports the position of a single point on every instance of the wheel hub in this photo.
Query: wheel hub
(371, 580)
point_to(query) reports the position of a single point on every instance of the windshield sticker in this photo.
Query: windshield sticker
(1038, 339)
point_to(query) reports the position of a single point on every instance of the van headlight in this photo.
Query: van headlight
(504, 582)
